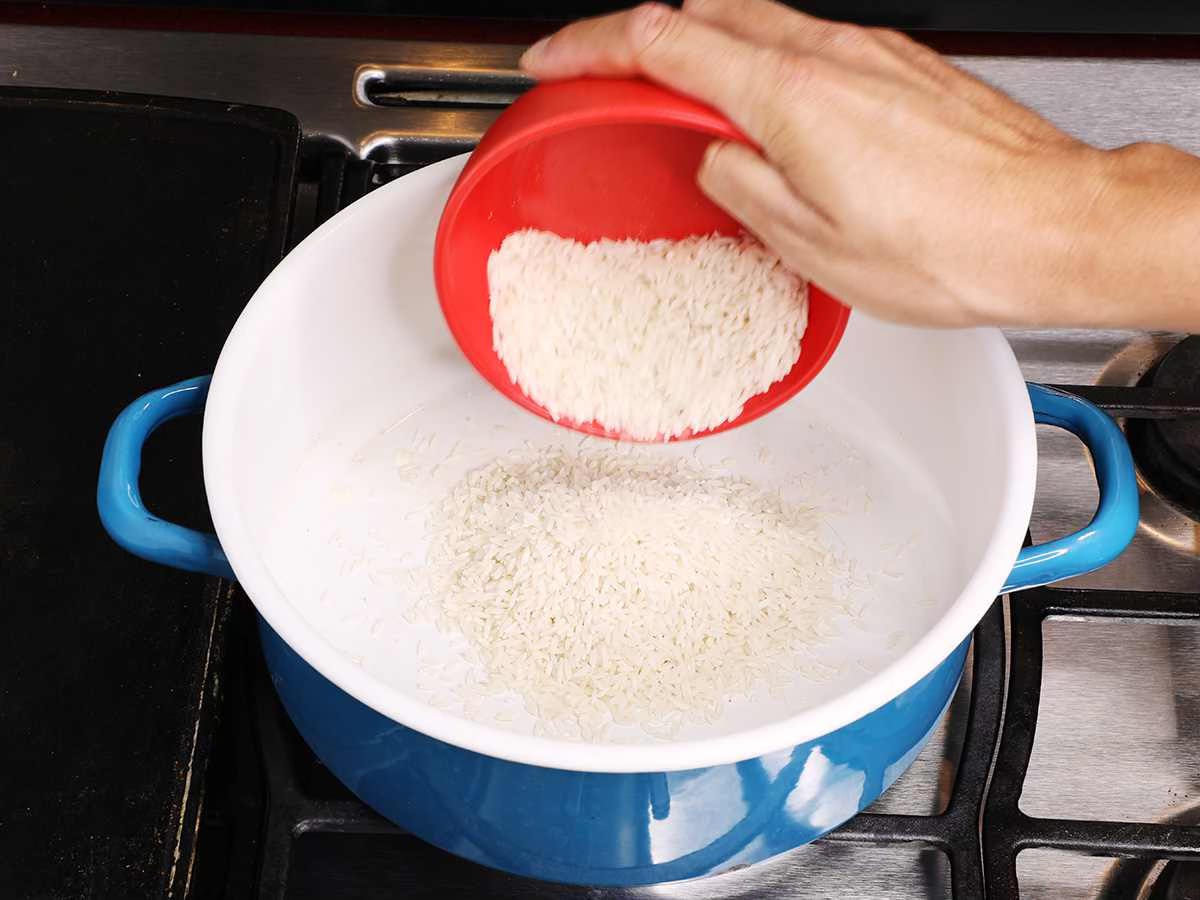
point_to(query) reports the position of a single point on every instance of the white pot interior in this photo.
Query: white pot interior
(341, 408)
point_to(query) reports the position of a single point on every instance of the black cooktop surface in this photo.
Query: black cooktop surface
(132, 232)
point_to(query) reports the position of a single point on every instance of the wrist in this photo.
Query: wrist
(1134, 261)
(1046, 244)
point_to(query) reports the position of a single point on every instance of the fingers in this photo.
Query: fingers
(756, 194)
(604, 46)
(762, 90)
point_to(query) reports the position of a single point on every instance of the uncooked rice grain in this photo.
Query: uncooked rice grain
(628, 587)
(650, 339)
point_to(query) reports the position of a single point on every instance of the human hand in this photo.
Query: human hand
(903, 185)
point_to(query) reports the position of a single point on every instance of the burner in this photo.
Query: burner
(1178, 881)
(1152, 879)
(1168, 450)
(1155, 879)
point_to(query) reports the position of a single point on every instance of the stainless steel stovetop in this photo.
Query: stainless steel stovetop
(1118, 731)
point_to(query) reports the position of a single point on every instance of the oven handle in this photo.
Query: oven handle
(1116, 519)
(119, 500)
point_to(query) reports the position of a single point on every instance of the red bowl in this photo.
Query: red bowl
(590, 159)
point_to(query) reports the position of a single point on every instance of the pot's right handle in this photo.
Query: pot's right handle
(119, 499)
(1116, 518)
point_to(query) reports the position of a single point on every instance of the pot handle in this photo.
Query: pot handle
(119, 500)
(1116, 518)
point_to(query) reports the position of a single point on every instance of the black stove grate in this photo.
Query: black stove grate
(1006, 829)
(955, 831)
(280, 827)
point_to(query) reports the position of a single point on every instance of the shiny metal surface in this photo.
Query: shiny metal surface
(1120, 721)
(824, 872)
(1059, 875)
(324, 82)
(408, 86)
(1117, 739)
(815, 872)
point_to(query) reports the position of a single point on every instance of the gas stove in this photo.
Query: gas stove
(1068, 765)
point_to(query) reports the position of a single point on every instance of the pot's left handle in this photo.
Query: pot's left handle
(122, 512)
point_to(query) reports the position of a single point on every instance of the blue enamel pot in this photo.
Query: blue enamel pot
(342, 352)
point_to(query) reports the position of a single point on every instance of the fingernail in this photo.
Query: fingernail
(531, 56)
(710, 154)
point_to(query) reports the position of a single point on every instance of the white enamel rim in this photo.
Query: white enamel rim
(1011, 402)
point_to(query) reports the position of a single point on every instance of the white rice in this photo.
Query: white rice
(651, 340)
(628, 587)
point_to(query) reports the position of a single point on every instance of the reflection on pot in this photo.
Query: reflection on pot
(608, 828)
